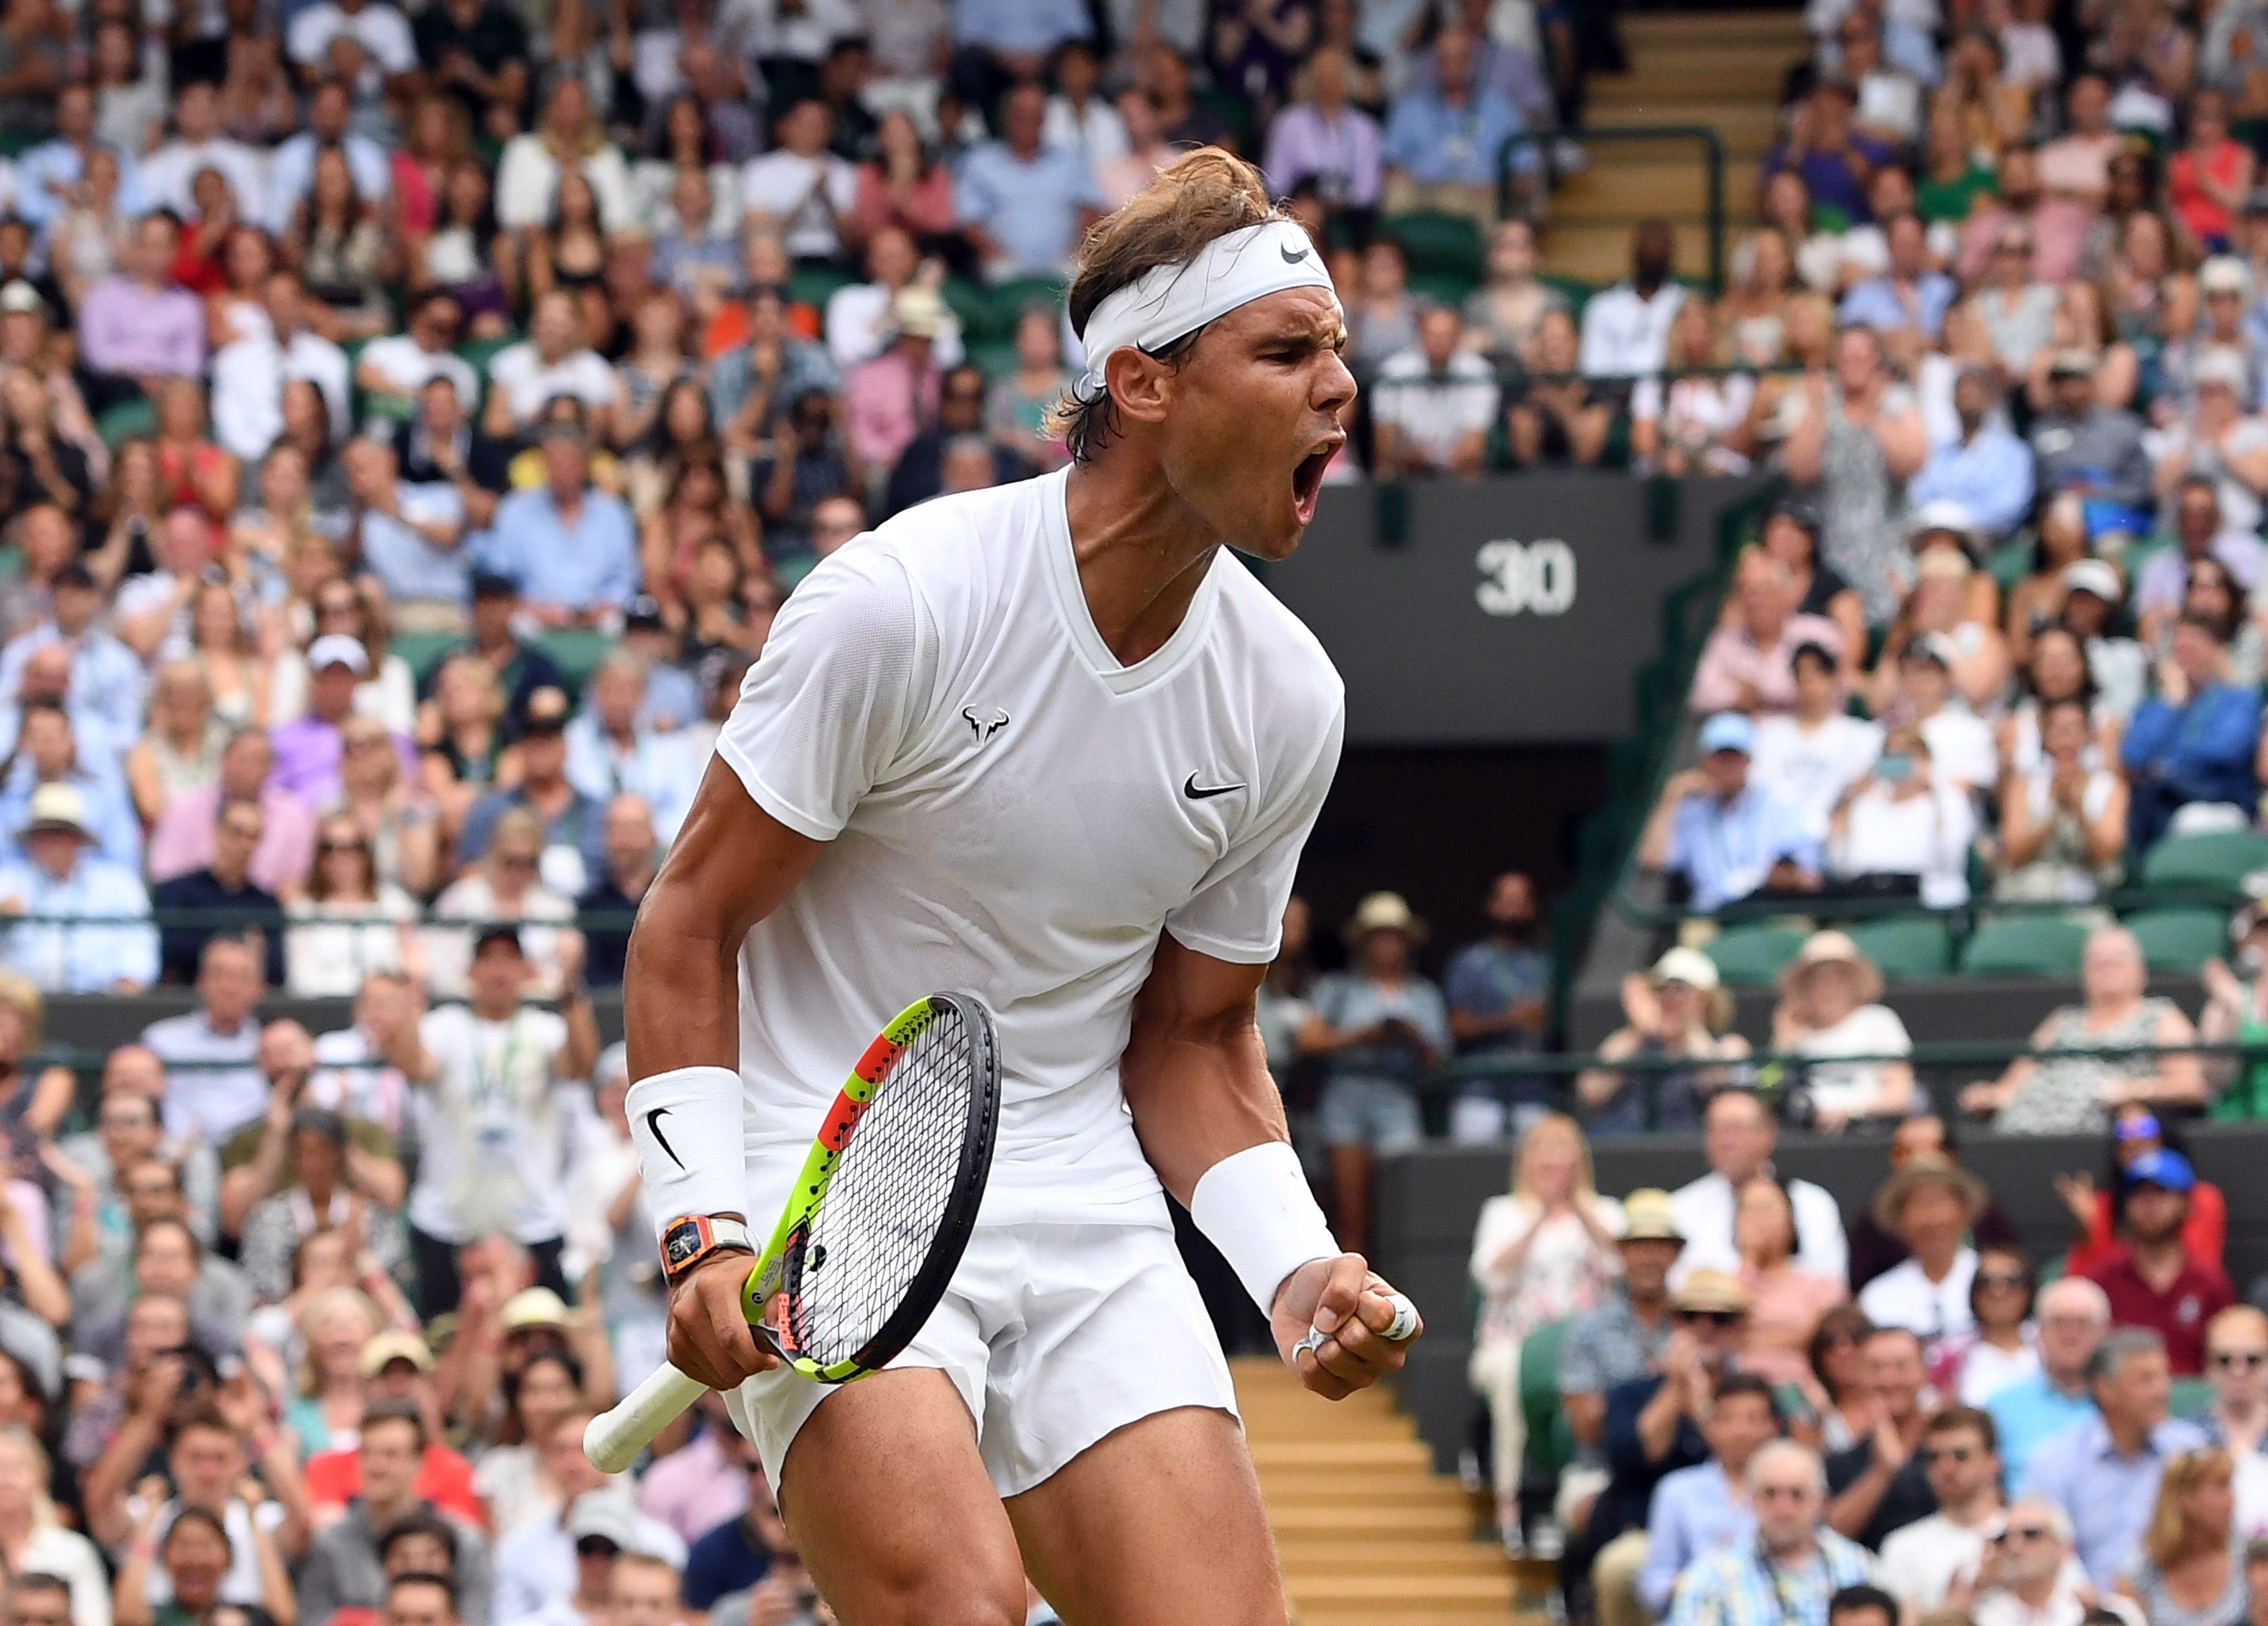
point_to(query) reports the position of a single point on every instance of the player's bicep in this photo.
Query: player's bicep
(732, 863)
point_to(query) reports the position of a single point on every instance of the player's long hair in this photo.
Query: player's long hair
(1206, 194)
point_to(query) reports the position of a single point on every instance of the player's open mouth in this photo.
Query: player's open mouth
(1307, 477)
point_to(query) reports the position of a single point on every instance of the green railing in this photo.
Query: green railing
(1637, 765)
(1712, 164)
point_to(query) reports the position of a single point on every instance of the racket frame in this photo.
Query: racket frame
(770, 1276)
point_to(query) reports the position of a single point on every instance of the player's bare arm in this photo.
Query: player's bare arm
(1196, 1076)
(731, 866)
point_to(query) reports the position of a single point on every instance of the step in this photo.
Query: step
(1348, 1455)
(1651, 31)
(1617, 192)
(1755, 81)
(1367, 1615)
(1434, 1591)
(1600, 254)
(1359, 1557)
(1744, 119)
(1365, 1520)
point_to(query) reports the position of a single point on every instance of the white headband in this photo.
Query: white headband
(1170, 301)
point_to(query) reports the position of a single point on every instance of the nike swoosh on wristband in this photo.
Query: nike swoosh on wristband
(1197, 792)
(654, 1129)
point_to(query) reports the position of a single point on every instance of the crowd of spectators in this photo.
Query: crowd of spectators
(1774, 1418)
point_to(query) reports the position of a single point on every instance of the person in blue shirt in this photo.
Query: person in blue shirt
(1024, 204)
(739, 1552)
(2193, 741)
(2104, 1471)
(1907, 304)
(2071, 1315)
(1727, 836)
(1444, 140)
(1987, 471)
(571, 548)
(1834, 160)
(60, 879)
(1698, 1510)
(1499, 993)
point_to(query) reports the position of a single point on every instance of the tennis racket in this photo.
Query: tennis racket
(877, 1221)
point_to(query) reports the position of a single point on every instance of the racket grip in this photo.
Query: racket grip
(615, 1437)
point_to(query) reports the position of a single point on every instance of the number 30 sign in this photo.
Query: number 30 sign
(1536, 577)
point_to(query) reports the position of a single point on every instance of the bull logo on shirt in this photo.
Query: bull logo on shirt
(984, 722)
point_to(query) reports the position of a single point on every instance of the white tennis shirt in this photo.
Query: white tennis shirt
(1012, 814)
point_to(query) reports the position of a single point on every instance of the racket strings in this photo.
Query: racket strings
(882, 1212)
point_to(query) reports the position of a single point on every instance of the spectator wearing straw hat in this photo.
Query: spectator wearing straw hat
(1679, 1010)
(1930, 1203)
(1618, 1341)
(58, 880)
(1726, 835)
(1830, 1006)
(1377, 1027)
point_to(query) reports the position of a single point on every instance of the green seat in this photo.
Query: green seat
(2189, 1398)
(422, 652)
(2178, 939)
(1550, 1441)
(1905, 946)
(1442, 288)
(1576, 291)
(578, 651)
(1437, 243)
(1753, 954)
(478, 353)
(1011, 298)
(2025, 945)
(128, 420)
(971, 302)
(996, 359)
(2010, 563)
(2216, 858)
(815, 284)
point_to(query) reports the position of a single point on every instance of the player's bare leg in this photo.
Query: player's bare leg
(1155, 1525)
(891, 1507)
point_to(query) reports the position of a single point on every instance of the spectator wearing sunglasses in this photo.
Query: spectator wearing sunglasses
(1960, 1455)
(2237, 1418)
(1792, 1574)
(2025, 1579)
(2003, 1347)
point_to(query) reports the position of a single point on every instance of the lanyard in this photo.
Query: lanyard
(492, 1086)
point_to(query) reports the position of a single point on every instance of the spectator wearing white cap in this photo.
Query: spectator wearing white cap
(2222, 439)
(58, 880)
(1901, 828)
(555, 1559)
(1811, 755)
(310, 750)
(1749, 662)
(2120, 666)
(1678, 1009)
(1726, 835)
(1988, 473)
(1961, 749)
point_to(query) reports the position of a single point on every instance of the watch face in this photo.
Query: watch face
(681, 1247)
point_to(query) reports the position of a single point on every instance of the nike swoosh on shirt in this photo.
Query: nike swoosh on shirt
(654, 1129)
(1197, 792)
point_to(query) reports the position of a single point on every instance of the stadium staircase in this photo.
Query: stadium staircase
(1721, 70)
(1369, 1533)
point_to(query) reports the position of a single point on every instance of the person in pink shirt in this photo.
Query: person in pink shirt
(183, 838)
(886, 401)
(2075, 174)
(1749, 662)
(703, 1482)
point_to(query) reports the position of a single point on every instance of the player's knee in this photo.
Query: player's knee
(967, 1602)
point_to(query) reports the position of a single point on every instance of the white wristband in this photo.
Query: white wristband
(688, 1126)
(1257, 1209)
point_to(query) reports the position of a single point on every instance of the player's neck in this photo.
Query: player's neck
(1142, 552)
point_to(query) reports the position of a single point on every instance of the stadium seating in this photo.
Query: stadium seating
(1753, 954)
(2178, 939)
(2025, 945)
(2218, 859)
(1906, 947)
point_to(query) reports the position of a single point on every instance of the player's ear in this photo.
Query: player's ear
(1140, 385)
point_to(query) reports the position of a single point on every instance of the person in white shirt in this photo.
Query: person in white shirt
(168, 172)
(1626, 327)
(330, 113)
(1810, 757)
(550, 361)
(381, 29)
(1902, 819)
(2030, 1578)
(1921, 1562)
(859, 323)
(1930, 1203)
(1961, 743)
(484, 1077)
(1435, 403)
(402, 363)
(1738, 1136)
(1829, 1007)
(799, 189)
(250, 372)
(527, 174)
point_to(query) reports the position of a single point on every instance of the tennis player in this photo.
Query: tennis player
(1051, 744)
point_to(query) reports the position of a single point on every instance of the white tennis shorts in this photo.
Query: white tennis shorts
(1055, 1333)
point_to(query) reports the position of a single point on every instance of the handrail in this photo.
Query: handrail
(1712, 153)
(1958, 916)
